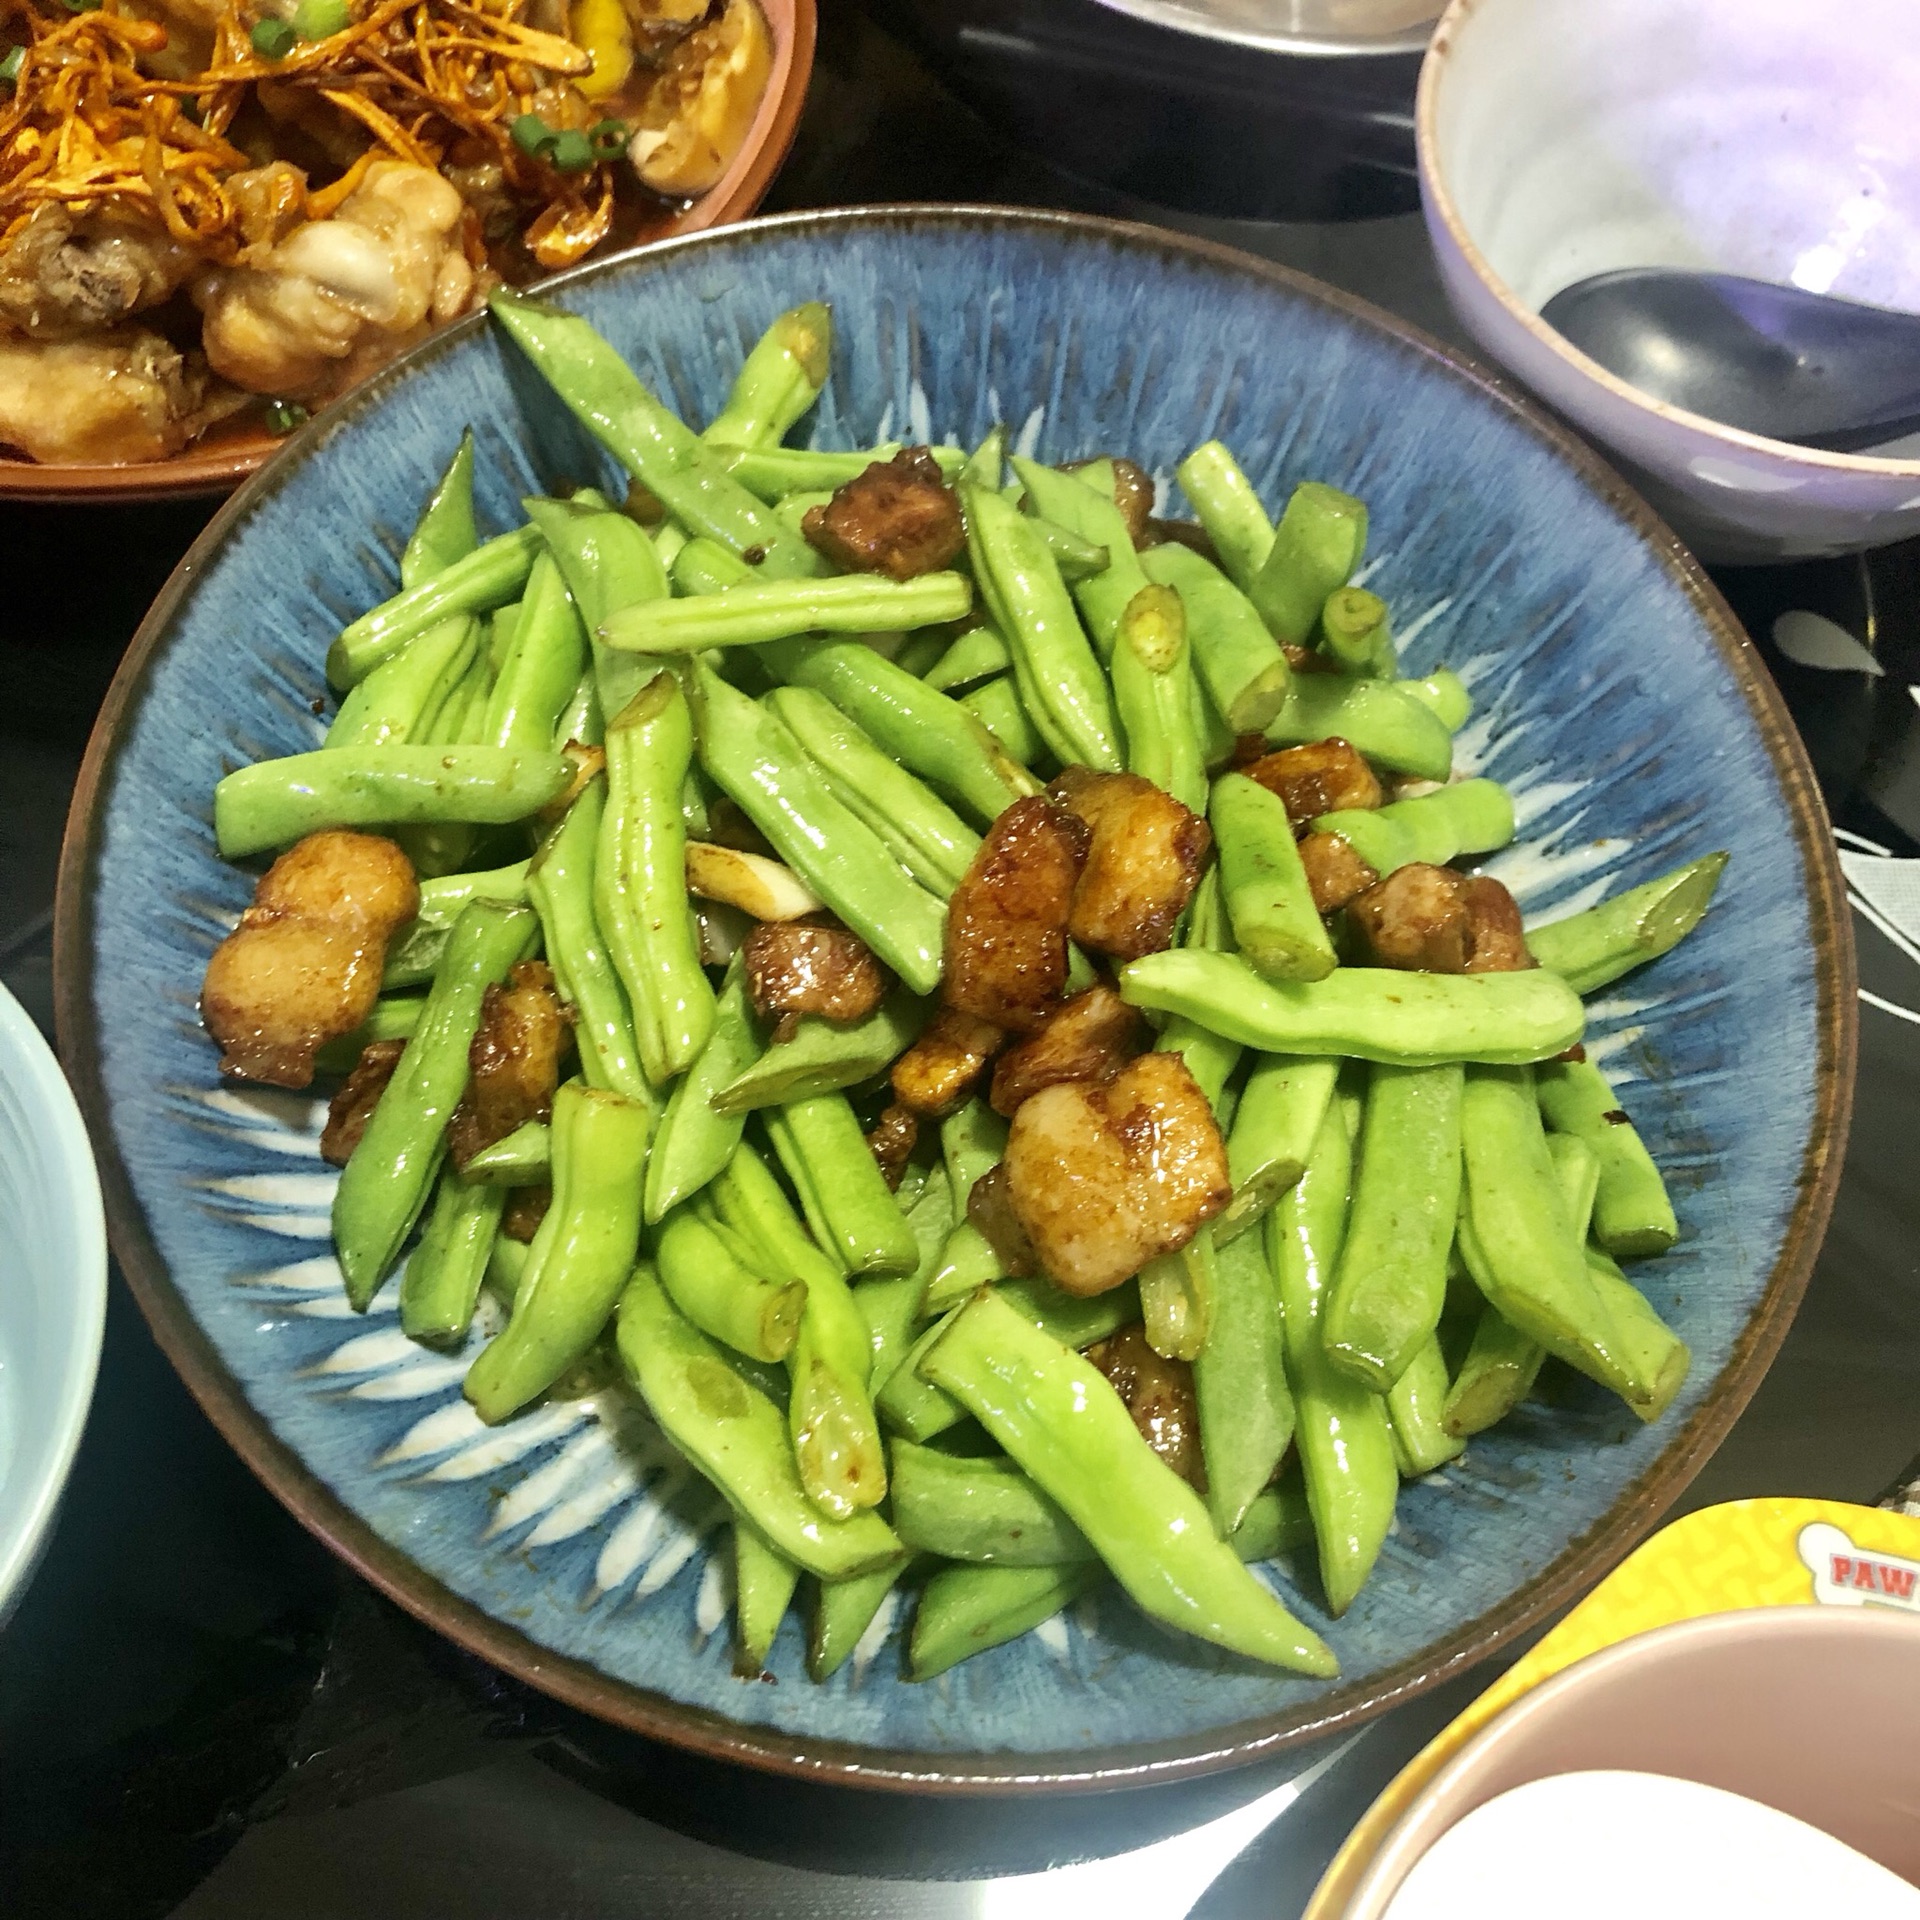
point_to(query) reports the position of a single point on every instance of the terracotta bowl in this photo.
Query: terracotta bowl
(221, 460)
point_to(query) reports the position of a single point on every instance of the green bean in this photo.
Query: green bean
(973, 1142)
(1657, 1354)
(443, 900)
(1057, 1418)
(1278, 1521)
(1632, 1215)
(456, 722)
(967, 1610)
(1280, 1110)
(1341, 1430)
(928, 733)
(1068, 500)
(1263, 885)
(843, 1610)
(1519, 1242)
(1444, 694)
(1501, 1363)
(918, 828)
(919, 650)
(750, 752)
(778, 474)
(836, 1439)
(1153, 694)
(1416, 1414)
(892, 1306)
(754, 613)
(543, 665)
(1593, 949)
(843, 1193)
(763, 1583)
(824, 1056)
(384, 1185)
(500, 631)
(1378, 717)
(399, 699)
(1176, 1299)
(506, 1268)
(1229, 509)
(445, 532)
(1391, 1284)
(707, 1276)
(1078, 560)
(729, 1429)
(987, 461)
(778, 381)
(696, 1140)
(1067, 1318)
(581, 1256)
(1210, 1057)
(441, 1282)
(639, 880)
(393, 1018)
(979, 654)
(996, 704)
(491, 575)
(524, 1158)
(1316, 547)
(276, 802)
(561, 884)
(1357, 635)
(1058, 676)
(1471, 816)
(581, 722)
(1238, 662)
(1364, 1013)
(985, 1511)
(654, 445)
(912, 1405)
(609, 564)
(1240, 1384)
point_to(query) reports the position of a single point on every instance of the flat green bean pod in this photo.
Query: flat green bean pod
(1593, 949)
(446, 531)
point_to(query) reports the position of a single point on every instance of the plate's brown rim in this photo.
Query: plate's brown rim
(579, 1685)
(212, 471)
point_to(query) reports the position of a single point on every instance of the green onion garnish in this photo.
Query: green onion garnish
(532, 135)
(321, 19)
(609, 139)
(273, 39)
(11, 65)
(572, 151)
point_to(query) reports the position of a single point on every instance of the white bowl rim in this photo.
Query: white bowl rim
(1177, 18)
(1372, 1886)
(25, 1523)
(1439, 202)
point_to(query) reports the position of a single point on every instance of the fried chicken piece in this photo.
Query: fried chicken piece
(513, 1064)
(1006, 946)
(1143, 861)
(1159, 1394)
(937, 1073)
(119, 398)
(352, 1107)
(1414, 919)
(337, 298)
(66, 273)
(303, 966)
(1091, 1037)
(1496, 942)
(991, 1215)
(1105, 1178)
(827, 971)
(1322, 777)
(899, 518)
(1335, 873)
(526, 1207)
(893, 1140)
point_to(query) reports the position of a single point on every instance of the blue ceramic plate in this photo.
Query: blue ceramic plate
(1615, 695)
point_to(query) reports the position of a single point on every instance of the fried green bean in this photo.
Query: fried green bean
(276, 802)
(986, 464)
(763, 1583)
(1357, 635)
(639, 880)
(984, 1511)
(1444, 694)
(1238, 661)
(917, 827)
(979, 654)
(1316, 546)
(778, 381)
(1057, 1418)
(1364, 1013)
(1279, 1114)
(997, 705)
(1153, 693)
(1632, 1215)
(843, 1193)
(1278, 1521)
(1471, 816)
(445, 531)
(1240, 1384)
(524, 1158)
(394, 1017)
(400, 699)
(581, 1255)
(779, 474)
(708, 1277)
(543, 665)
(1069, 501)
(384, 1184)
(696, 1138)
(1657, 1354)
(1230, 510)
(843, 1612)
(966, 1610)
(1391, 1284)
(491, 575)
(1379, 718)
(654, 445)
(823, 1056)
(892, 1306)
(1177, 1298)
(1263, 885)
(442, 900)
(1210, 1057)
(441, 1282)
(1416, 1414)
(735, 1435)
(751, 754)
(972, 1143)
(1341, 1430)
(1593, 949)
(756, 612)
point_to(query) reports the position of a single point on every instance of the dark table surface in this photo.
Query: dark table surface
(202, 1714)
